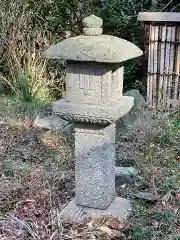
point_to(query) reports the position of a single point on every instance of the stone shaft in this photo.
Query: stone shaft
(95, 165)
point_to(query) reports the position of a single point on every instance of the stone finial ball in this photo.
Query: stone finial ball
(92, 21)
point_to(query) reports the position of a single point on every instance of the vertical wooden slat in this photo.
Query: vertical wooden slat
(162, 58)
(166, 70)
(177, 66)
(155, 65)
(149, 76)
(171, 64)
(152, 80)
(146, 52)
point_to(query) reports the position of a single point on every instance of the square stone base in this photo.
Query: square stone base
(120, 208)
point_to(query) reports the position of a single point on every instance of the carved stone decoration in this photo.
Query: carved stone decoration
(90, 119)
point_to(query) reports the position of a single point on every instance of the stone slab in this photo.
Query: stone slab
(89, 113)
(120, 208)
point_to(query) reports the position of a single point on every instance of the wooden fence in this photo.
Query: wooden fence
(162, 50)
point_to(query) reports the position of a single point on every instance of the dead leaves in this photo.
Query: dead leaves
(106, 227)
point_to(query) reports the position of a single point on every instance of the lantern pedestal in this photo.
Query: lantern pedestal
(119, 208)
(94, 157)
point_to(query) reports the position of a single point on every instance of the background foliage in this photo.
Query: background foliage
(27, 27)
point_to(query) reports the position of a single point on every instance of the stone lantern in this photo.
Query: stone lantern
(94, 102)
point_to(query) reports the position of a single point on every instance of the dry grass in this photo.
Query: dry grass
(155, 153)
(24, 70)
(33, 175)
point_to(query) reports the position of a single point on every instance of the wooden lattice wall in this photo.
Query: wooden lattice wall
(163, 56)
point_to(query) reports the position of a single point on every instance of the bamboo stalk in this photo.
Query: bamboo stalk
(162, 59)
(171, 64)
(166, 70)
(177, 67)
(151, 65)
(146, 50)
(149, 87)
(155, 65)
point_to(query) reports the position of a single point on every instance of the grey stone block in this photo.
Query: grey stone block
(90, 113)
(95, 166)
(120, 208)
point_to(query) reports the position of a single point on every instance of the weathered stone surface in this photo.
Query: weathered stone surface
(95, 166)
(103, 48)
(89, 136)
(125, 175)
(147, 196)
(138, 98)
(89, 113)
(92, 31)
(137, 117)
(92, 26)
(50, 122)
(94, 83)
(92, 21)
(128, 171)
(53, 123)
(120, 208)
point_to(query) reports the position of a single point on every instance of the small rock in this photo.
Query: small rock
(138, 98)
(123, 180)
(138, 117)
(50, 122)
(147, 196)
(125, 175)
(128, 171)
(53, 123)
